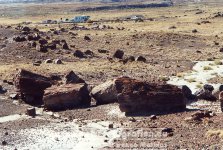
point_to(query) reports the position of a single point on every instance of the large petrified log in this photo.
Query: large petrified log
(138, 96)
(66, 96)
(105, 93)
(31, 86)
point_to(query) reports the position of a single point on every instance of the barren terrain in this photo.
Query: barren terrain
(166, 39)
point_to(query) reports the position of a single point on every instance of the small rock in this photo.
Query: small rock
(43, 41)
(14, 96)
(79, 54)
(4, 143)
(87, 38)
(31, 112)
(89, 53)
(27, 29)
(132, 119)
(48, 61)
(141, 58)
(71, 77)
(103, 51)
(118, 54)
(153, 117)
(65, 46)
(58, 61)
(194, 31)
(111, 126)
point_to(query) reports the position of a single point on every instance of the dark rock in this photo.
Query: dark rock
(31, 112)
(89, 53)
(206, 93)
(43, 41)
(111, 126)
(65, 46)
(52, 46)
(187, 92)
(48, 61)
(103, 51)
(37, 63)
(31, 86)
(2, 90)
(66, 97)
(87, 38)
(4, 143)
(58, 61)
(198, 116)
(153, 117)
(137, 96)
(56, 41)
(19, 39)
(41, 48)
(194, 31)
(33, 44)
(221, 100)
(27, 29)
(71, 77)
(33, 37)
(141, 58)
(105, 93)
(118, 54)
(129, 59)
(79, 54)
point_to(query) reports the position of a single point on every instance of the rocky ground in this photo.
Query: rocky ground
(106, 51)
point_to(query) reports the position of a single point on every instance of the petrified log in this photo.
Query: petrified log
(31, 86)
(105, 93)
(138, 96)
(66, 96)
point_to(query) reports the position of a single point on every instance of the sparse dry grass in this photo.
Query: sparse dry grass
(218, 133)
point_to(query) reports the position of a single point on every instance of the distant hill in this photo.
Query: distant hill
(51, 1)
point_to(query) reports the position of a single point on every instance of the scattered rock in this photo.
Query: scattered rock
(31, 112)
(48, 61)
(137, 96)
(19, 39)
(89, 53)
(198, 116)
(4, 143)
(187, 92)
(111, 126)
(58, 61)
(27, 29)
(43, 41)
(79, 54)
(87, 38)
(118, 54)
(66, 96)
(105, 93)
(194, 31)
(103, 51)
(31, 86)
(41, 48)
(71, 77)
(206, 93)
(2, 90)
(14, 96)
(221, 100)
(141, 58)
(52, 46)
(153, 117)
(65, 46)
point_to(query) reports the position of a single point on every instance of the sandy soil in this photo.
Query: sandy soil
(170, 54)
